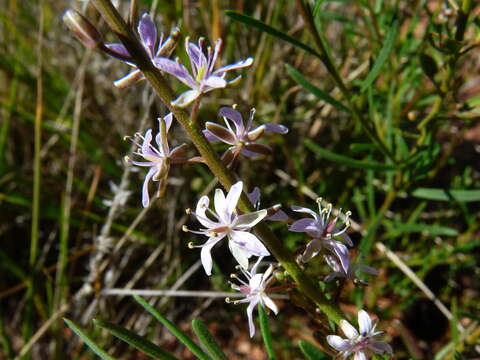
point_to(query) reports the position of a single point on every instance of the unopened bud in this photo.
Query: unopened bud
(83, 29)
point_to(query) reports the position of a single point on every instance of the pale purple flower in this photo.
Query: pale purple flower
(148, 38)
(203, 77)
(350, 274)
(274, 212)
(323, 229)
(158, 158)
(226, 222)
(241, 137)
(255, 291)
(361, 343)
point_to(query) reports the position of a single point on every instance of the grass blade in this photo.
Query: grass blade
(248, 20)
(433, 230)
(345, 160)
(447, 195)
(179, 334)
(267, 336)
(135, 340)
(311, 351)
(382, 56)
(207, 339)
(300, 79)
(88, 341)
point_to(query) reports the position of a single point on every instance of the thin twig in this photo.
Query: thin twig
(180, 293)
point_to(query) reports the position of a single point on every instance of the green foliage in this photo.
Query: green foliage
(267, 336)
(311, 352)
(207, 340)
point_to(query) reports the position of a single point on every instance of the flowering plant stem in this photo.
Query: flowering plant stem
(305, 284)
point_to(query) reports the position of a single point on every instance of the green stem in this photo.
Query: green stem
(226, 178)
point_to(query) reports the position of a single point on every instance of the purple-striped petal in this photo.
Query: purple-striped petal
(364, 322)
(196, 56)
(249, 243)
(312, 250)
(247, 221)
(221, 133)
(186, 98)
(275, 128)
(250, 308)
(119, 49)
(238, 65)
(206, 256)
(302, 225)
(341, 251)
(254, 197)
(213, 82)
(349, 331)
(235, 116)
(178, 70)
(129, 79)
(280, 215)
(338, 343)
(148, 33)
(380, 347)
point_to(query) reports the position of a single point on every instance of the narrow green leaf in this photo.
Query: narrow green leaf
(447, 195)
(311, 351)
(135, 340)
(300, 79)
(345, 160)
(382, 56)
(88, 340)
(267, 336)
(207, 339)
(248, 20)
(179, 334)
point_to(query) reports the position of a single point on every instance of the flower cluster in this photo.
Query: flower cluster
(255, 291)
(226, 222)
(327, 229)
(360, 343)
(241, 138)
(158, 158)
(148, 38)
(204, 77)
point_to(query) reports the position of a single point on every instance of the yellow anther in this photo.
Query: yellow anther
(188, 211)
(227, 300)
(233, 276)
(185, 228)
(190, 245)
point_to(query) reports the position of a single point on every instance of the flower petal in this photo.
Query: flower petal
(380, 347)
(221, 133)
(206, 256)
(129, 79)
(247, 221)
(367, 269)
(214, 82)
(118, 48)
(145, 195)
(178, 70)
(341, 251)
(280, 215)
(302, 225)
(250, 308)
(312, 250)
(186, 98)
(275, 128)
(235, 116)
(221, 206)
(196, 56)
(338, 343)
(270, 304)
(348, 329)
(249, 243)
(306, 210)
(364, 322)
(239, 254)
(200, 211)
(148, 33)
(347, 239)
(360, 355)
(238, 65)
(259, 149)
(233, 196)
(254, 197)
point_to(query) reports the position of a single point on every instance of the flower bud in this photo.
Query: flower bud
(83, 29)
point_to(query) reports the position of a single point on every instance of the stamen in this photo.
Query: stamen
(227, 300)
(188, 211)
(233, 276)
(190, 245)
(185, 228)
(126, 137)
(127, 159)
